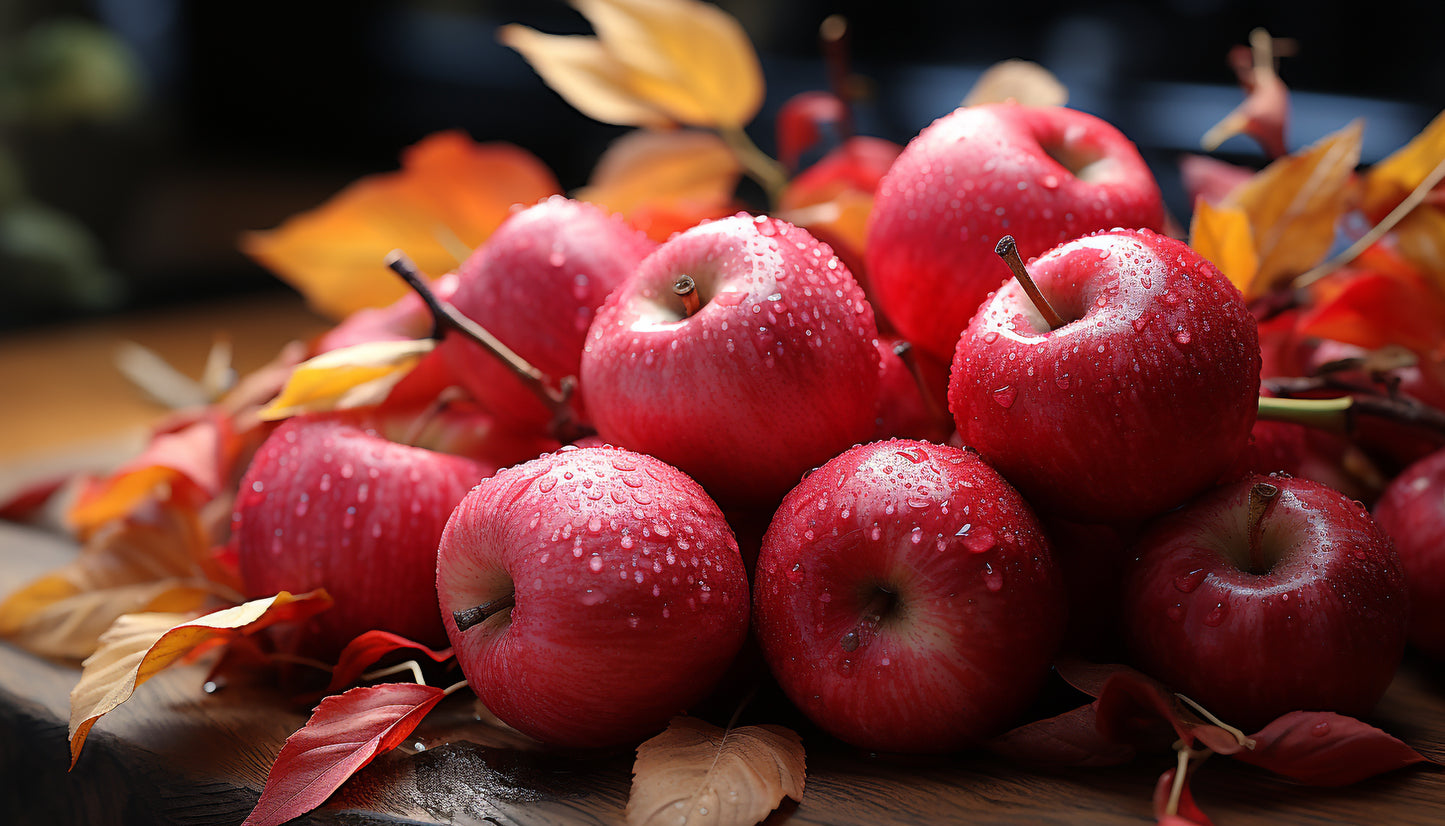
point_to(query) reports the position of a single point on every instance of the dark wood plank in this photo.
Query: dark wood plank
(176, 755)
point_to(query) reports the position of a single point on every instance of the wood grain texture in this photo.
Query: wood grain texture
(176, 755)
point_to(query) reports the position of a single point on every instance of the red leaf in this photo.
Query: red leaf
(371, 646)
(1373, 310)
(26, 503)
(1086, 676)
(344, 734)
(1187, 812)
(1141, 711)
(1322, 748)
(1068, 739)
(800, 120)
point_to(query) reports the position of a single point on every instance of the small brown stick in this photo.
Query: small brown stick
(467, 617)
(686, 289)
(1009, 252)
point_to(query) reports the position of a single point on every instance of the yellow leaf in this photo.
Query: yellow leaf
(585, 74)
(1294, 203)
(450, 194)
(653, 63)
(149, 561)
(1389, 181)
(696, 773)
(1022, 81)
(347, 377)
(137, 646)
(1222, 235)
(1420, 237)
(683, 170)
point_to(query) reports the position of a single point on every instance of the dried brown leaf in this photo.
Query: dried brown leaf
(1022, 81)
(696, 773)
(137, 646)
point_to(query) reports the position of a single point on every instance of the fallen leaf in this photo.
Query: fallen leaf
(1068, 739)
(26, 503)
(1321, 748)
(646, 174)
(1374, 310)
(653, 63)
(1388, 182)
(344, 733)
(150, 560)
(1294, 204)
(449, 195)
(1210, 178)
(1022, 81)
(138, 646)
(1223, 236)
(696, 773)
(357, 376)
(1420, 237)
(371, 646)
(190, 464)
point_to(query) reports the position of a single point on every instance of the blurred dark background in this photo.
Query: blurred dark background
(139, 137)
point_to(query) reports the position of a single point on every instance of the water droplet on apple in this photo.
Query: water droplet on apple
(795, 573)
(1182, 337)
(1320, 729)
(1216, 615)
(980, 540)
(993, 580)
(1175, 611)
(1005, 396)
(1186, 583)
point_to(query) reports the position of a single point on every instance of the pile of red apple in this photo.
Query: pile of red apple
(918, 569)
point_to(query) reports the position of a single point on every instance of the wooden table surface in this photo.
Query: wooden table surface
(174, 754)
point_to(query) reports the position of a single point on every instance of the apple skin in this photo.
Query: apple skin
(1145, 397)
(536, 284)
(1042, 174)
(1322, 629)
(1412, 513)
(325, 504)
(630, 596)
(976, 612)
(903, 411)
(776, 372)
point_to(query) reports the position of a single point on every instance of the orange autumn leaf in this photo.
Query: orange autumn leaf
(149, 561)
(833, 198)
(652, 63)
(1222, 235)
(357, 376)
(696, 773)
(189, 465)
(1294, 204)
(645, 174)
(1389, 181)
(138, 646)
(449, 195)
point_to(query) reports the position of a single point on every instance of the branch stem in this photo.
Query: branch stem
(758, 165)
(468, 617)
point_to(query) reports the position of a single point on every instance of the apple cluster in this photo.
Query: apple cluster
(920, 563)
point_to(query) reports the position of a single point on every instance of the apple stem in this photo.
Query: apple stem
(446, 317)
(467, 617)
(1261, 496)
(686, 289)
(904, 351)
(1339, 414)
(1008, 250)
(834, 35)
(872, 615)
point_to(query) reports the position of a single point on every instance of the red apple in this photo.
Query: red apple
(1412, 513)
(1042, 174)
(1268, 596)
(325, 504)
(906, 599)
(911, 406)
(591, 594)
(535, 285)
(771, 373)
(1143, 398)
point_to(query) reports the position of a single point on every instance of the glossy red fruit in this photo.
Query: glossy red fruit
(1145, 397)
(1042, 174)
(773, 374)
(906, 599)
(535, 285)
(325, 504)
(1301, 607)
(1412, 513)
(911, 406)
(629, 595)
